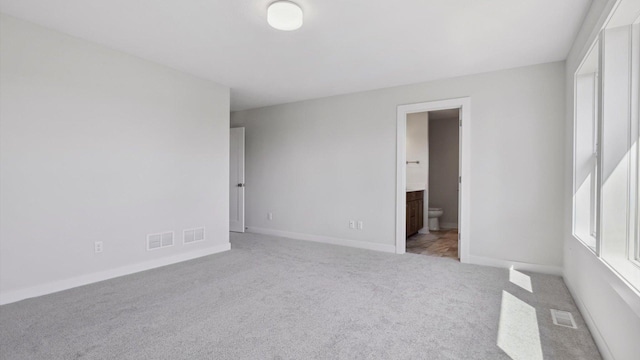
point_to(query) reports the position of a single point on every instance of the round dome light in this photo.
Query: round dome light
(284, 15)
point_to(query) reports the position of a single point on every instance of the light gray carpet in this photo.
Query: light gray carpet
(273, 298)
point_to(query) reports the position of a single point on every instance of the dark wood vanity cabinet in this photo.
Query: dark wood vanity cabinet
(415, 212)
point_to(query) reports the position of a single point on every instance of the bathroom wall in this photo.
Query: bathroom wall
(418, 149)
(443, 169)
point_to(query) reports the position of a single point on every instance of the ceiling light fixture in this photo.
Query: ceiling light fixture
(284, 15)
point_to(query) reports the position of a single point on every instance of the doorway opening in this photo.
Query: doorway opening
(432, 187)
(432, 175)
(236, 180)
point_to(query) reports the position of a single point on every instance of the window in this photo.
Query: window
(586, 189)
(606, 193)
(619, 124)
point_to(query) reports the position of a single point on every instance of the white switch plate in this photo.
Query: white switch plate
(269, 216)
(97, 246)
(352, 224)
(360, 225)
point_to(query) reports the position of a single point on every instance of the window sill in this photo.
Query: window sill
(629, 294)
(589, 243)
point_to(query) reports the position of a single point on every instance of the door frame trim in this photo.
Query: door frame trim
(464, 104)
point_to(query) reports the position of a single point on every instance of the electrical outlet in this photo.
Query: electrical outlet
(352, 224)
(97, 247)
(360, 224)
(269, 216)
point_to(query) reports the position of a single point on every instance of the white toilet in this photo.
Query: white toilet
(434, 214)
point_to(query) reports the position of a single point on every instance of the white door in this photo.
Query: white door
(236, 181)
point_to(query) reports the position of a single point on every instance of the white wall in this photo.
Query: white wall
(317, 164)
(418, 149)
(610, 307)
(444, 153)
(97, 145)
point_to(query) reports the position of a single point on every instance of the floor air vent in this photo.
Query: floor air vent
(193, 235)
(563, 318)
(157, 241)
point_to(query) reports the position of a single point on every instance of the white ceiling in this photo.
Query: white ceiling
(344, 45)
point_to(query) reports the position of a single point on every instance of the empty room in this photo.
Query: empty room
(305, 179)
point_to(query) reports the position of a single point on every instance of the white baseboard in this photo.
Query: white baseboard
(473, 259)
(595, 332)
(544, 269)
(444, 225)
(52, 287)
(325, 239)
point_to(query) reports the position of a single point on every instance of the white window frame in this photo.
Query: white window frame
(594, 211)
(625, 260)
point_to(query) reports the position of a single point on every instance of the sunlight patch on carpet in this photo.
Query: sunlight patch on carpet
(520, 279)
(518, 333)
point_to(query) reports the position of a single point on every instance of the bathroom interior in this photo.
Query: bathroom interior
(432, 188)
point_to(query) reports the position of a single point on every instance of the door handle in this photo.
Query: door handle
(240, 185)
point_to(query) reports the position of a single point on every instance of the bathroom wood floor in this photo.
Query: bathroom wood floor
(443, 243)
